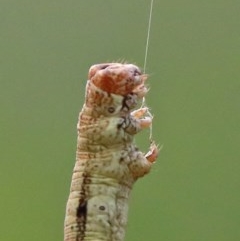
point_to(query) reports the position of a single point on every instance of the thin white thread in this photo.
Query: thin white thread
(148, 36)
(145, 64)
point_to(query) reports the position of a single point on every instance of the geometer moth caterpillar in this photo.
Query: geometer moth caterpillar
(107, 160)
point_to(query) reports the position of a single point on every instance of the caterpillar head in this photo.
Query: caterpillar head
(114, 88)
(119, 79)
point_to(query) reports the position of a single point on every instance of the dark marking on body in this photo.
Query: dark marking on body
(82, 210)
(102, 208)
(81, 220)
(111, 109)
(121, 160)
(125, 106)
(121, 124)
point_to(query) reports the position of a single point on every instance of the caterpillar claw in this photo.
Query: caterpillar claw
(153, 153)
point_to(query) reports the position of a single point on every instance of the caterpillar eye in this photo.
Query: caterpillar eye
(111, 109)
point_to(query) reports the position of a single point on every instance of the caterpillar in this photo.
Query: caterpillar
(108, 162)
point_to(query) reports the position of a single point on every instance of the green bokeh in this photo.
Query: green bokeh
(192, 193)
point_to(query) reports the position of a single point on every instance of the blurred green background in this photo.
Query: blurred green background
(47, 47)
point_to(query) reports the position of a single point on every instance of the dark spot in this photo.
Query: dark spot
(72, 227)
(136, 149)
(119, 126)
(121, 160)
(111, 109)
(102, 208)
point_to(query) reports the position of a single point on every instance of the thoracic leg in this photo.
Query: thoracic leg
(139, 112)
(153, 153)
(145, 121)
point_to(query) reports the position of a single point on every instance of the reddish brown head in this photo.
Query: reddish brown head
(119, 79)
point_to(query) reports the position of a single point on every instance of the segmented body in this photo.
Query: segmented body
(107, 161)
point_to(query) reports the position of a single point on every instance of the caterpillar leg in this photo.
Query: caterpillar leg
(140, 112)
(153, 153)
(141, 164)
(145, 121)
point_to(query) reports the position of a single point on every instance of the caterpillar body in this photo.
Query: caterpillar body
(107, 160)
